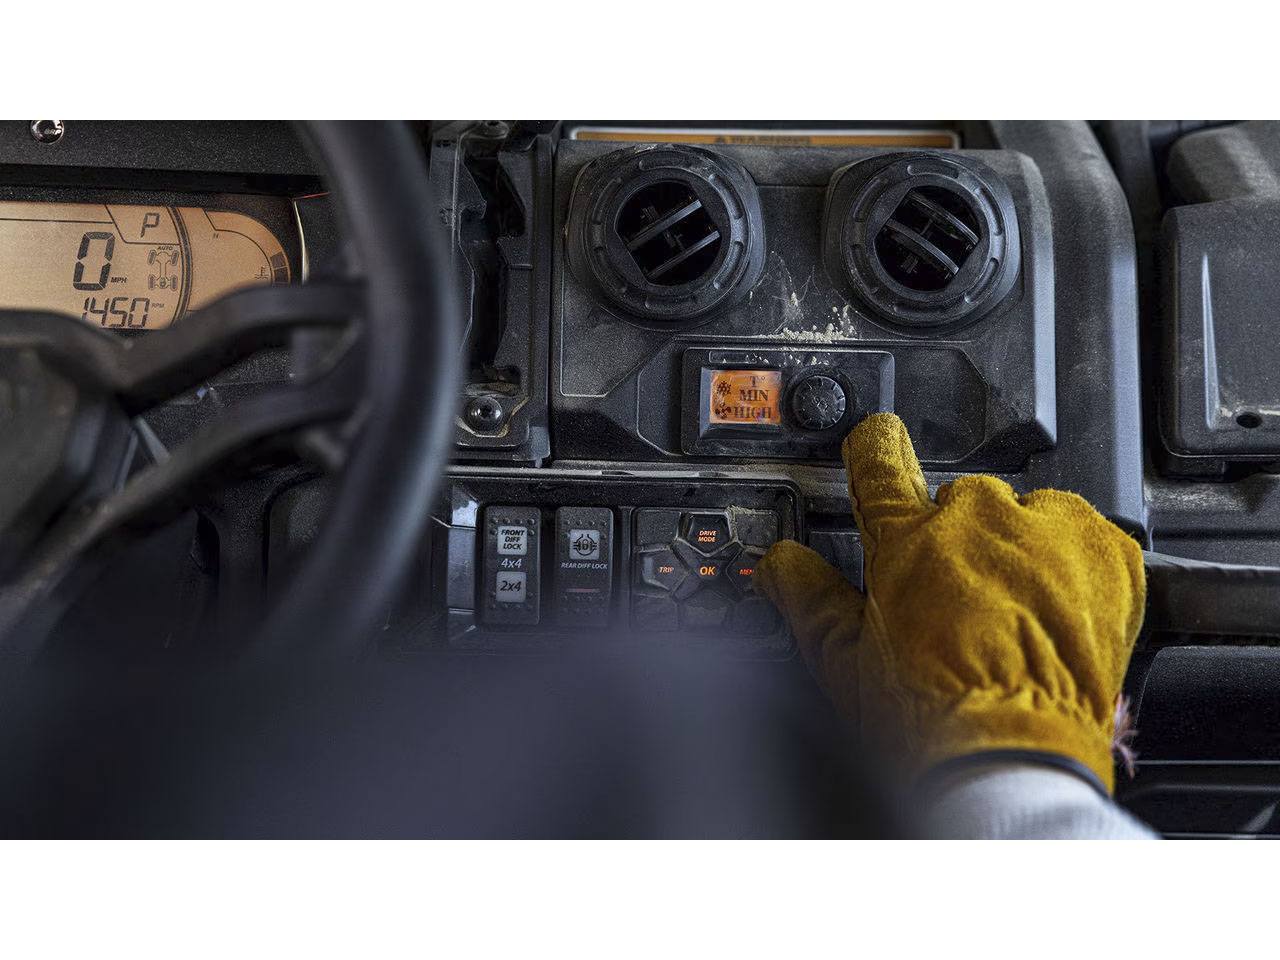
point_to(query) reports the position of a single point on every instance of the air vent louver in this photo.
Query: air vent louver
(669, 233)
(666, 232)
(927, 239)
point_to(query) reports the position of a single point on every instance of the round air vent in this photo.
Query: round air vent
(666, 233)
(923, 240)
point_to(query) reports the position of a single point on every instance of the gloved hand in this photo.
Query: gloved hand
(990, 622)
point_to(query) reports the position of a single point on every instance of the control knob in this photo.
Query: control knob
(818, 403)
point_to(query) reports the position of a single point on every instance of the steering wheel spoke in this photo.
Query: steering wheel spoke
(146, 371)
(268, 429)
(113, 379)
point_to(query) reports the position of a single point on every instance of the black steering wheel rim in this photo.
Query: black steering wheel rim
(382, 505)
(396, 382)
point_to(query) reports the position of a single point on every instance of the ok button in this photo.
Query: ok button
(708, 570)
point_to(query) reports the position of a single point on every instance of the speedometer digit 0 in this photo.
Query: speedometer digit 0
(130, 266)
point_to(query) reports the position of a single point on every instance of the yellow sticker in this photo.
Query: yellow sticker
(937, 139)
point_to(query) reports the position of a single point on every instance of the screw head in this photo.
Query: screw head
(485, 413)
(496, 129)
(47, 131)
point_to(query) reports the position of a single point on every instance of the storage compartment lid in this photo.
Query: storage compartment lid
(1221, 391)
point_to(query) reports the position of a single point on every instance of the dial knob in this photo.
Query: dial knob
(818, 403)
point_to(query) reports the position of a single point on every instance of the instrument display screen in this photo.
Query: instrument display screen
(746, 397)
(130, 266)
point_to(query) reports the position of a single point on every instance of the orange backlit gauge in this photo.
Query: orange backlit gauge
(746, 397)
(130, 266)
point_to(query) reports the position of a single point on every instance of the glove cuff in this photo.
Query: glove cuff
(936, 779)
(1052, 729)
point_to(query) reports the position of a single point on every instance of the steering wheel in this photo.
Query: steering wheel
(384, 401)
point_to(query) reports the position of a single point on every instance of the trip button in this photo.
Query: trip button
(662, 569)
(706, 531)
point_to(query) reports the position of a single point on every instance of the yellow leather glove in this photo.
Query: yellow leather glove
(991, 621)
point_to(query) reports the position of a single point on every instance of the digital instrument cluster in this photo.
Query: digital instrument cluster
(131, 266)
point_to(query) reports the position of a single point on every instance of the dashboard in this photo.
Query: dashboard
(670, 329)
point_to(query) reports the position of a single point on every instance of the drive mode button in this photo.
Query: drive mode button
(706, 531)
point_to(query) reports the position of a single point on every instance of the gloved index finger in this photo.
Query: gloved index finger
(885, 479)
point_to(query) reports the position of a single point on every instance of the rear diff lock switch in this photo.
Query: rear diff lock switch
(584, 566)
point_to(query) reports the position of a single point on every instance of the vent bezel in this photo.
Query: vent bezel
(598, 252)
(862, 202)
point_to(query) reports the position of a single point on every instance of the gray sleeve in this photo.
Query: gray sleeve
(1027, 802)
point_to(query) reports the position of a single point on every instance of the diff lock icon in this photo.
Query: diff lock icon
(584, 544)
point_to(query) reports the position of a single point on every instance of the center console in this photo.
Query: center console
(670, 337)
